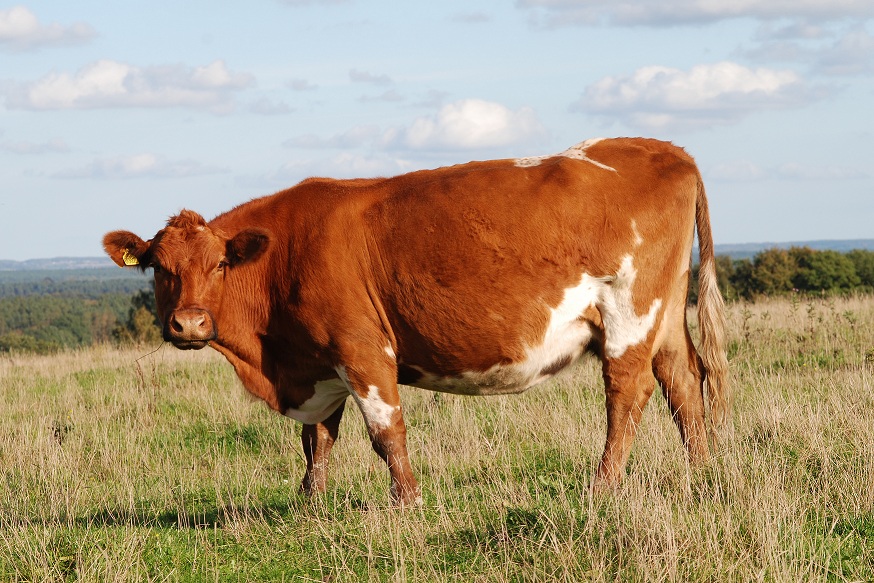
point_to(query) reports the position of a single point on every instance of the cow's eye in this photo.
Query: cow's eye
(221, 265)
(156, 266)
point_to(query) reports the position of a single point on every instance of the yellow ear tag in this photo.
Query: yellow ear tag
(129, 259)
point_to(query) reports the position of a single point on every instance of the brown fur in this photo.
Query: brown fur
(447, 273)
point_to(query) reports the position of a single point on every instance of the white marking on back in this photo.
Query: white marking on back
(328, 396)
(577, 152)
(638, 240)
(623, 328)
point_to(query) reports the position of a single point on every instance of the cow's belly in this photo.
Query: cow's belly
(327, 396)
(597, 307)
(571, 328)
(501, 379)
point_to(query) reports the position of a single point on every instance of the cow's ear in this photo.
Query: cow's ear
(125, 248)
(247, 246)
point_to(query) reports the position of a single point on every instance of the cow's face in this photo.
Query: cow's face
(191, 262)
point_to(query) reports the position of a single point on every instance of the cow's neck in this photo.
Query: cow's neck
(249, 368)
(241, 325)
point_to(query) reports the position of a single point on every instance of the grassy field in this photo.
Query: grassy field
(162, 469)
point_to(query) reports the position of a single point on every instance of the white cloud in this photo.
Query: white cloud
(301, 85)
(830, 172)
(357, 76)
(213, 76)
(352, 165)
(554, 13)
(265, 106)
(666, 98)
(779, 51)
(369, 150)
(108, 83)
(852, 54)
(823, 50)
(390, 96)
(52, 146)
(21, 30)
(471, 17)
(433, 99)
(468, 124)
(139, 166)
(791, 31)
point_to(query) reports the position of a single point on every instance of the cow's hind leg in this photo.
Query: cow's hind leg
(676, 366)
(317, 441)
(628, 383)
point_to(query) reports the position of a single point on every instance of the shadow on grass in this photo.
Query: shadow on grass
(207, 515)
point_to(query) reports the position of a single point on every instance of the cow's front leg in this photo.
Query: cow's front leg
(317, 441)
(375, 390)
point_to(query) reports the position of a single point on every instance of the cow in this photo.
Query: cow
(484, 278)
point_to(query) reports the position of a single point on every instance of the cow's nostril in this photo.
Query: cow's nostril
(176, 325)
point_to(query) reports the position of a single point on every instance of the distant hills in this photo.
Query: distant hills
(56, 263)
(733, 250)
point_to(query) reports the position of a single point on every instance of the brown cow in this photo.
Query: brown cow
(481, 279)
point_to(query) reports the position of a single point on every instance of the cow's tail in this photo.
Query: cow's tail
(711, 321)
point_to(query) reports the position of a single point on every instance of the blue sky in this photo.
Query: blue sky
(117, 115)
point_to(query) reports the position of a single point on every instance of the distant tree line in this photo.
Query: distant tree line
(45, 323)
(87, 283)
(52, 311)
(72, 288)
(775, 272)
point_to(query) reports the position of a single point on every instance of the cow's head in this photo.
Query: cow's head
(191, 262)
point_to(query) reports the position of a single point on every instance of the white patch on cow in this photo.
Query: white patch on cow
(328, 396)
(565, 339)
(563, 342)
(577, 152)
(623, 328)
(376, 412)
(390, 352)
(638, 240)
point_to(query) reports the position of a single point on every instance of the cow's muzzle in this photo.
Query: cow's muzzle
(190, 328)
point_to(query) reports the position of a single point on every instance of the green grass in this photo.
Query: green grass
(163, 469)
